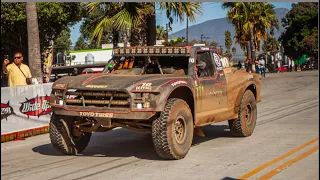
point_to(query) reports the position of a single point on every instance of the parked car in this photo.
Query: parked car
(284, 68)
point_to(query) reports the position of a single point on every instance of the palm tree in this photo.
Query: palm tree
(161, 32)
(116, 17)
(180, 10)
(137, 17)
(33, 41)
(251, 21)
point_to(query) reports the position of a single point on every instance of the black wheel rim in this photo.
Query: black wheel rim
(248, 114)
(180, 130)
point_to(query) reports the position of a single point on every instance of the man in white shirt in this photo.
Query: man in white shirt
(262, 67)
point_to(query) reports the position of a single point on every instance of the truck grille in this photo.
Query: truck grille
(107, 99)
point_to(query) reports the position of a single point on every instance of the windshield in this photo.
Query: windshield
(148, 65)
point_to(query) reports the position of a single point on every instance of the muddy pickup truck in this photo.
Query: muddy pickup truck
(167, 92)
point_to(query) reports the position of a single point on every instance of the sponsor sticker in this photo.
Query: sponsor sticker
(215, 93)
(37, 106)
(144, 86)
(191, 60)
(217, 61)
(199, 91)
(96, 86)
(96, 114)
(204, 48)
(6, 110)
(178, 82)
(59, 86)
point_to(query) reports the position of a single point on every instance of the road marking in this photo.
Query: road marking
(288, 163)
(260, 168)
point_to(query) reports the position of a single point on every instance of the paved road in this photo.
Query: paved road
(287, 120)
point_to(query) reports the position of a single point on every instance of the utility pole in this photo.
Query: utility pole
(273, 54)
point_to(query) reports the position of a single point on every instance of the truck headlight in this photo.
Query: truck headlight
(57, 97)
(144, 100)
(146, 104)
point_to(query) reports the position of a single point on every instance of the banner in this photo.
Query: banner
(25, 107)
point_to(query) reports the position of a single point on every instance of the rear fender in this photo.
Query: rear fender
(249, 86)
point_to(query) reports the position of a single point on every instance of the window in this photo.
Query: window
(204, 64)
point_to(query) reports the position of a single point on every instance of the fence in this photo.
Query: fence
(25, 111)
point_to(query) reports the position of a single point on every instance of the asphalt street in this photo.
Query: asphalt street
(284, 145)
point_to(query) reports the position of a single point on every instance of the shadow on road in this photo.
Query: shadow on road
(124, 143)
(228, 178)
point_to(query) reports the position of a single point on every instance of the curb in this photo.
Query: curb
(20, 135)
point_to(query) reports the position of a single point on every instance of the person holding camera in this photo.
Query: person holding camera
(17, 72)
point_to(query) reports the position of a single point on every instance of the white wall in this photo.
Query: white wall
(99, 56)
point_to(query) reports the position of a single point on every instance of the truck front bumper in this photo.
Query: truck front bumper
(101, 113)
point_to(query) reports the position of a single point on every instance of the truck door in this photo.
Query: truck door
(211, 85)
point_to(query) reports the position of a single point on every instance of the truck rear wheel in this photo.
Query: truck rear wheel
(63, 139)
(172, 132)
(244, 125)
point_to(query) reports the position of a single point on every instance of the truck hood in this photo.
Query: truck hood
(114, 81)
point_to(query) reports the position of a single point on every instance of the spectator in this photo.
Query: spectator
(290, 64)
(262, 66)
(18, 73)
(56, 77)
(239, 66)
(249, 66)
(256, 63)
(75, 72)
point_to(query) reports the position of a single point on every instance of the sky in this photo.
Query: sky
(211, 10)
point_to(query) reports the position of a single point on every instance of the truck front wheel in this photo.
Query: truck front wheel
(63, 138)
(244, 125)
(172, 132)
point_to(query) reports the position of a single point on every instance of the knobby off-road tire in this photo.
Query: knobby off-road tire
(244, 125)
(172, 132)
(62, 139)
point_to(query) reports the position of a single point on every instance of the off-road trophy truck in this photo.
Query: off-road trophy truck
(167, 92)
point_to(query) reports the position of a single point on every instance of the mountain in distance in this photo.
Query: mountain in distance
(214, 30)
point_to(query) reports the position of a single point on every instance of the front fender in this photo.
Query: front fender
(175, 89)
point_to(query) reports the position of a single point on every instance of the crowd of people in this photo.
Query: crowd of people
(258, 66)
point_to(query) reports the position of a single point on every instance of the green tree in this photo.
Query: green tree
(214, 44)
(81, 44)
(227, 40)
(62, 43)
(301, 30)
(53, 17)
(161, 33)
(251, 21)
(136, 18)
(175, 42)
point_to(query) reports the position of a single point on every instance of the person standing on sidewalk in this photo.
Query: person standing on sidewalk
(262, 66)
(256, 63)
(17, 72)
(249, 65)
